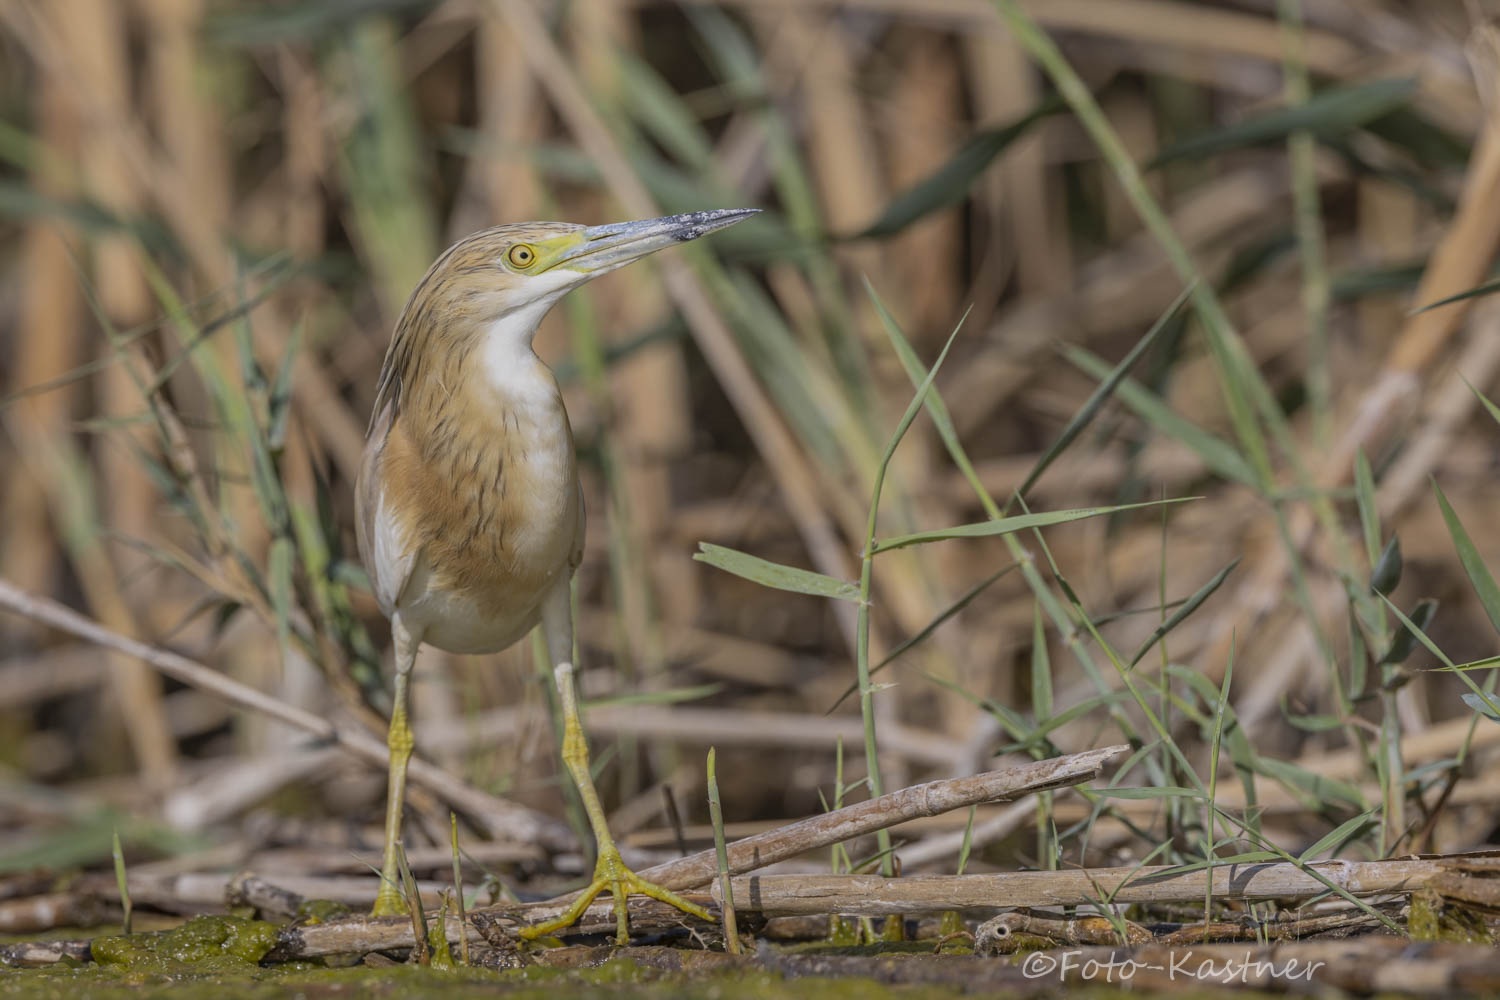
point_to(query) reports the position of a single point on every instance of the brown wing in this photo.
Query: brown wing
(387, 562)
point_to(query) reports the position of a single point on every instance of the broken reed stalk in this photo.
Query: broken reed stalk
(414, 907)
(726, 894)
(1285, 925)
(276, 896)
(871, 895)
(910, 803)
(504, 820)
(458, 888)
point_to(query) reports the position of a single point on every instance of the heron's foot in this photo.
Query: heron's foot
(610, 873)
(389, 902)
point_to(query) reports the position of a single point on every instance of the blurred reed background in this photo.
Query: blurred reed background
(214, 212)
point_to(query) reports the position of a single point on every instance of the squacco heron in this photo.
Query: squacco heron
(470, 515)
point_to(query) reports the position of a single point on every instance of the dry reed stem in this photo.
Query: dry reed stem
(718, 654)
(724, 726)
(887, 811)
(437, 859)
(873, 895)
(199, 891)
(1024, 190)
(46, 341)
(1286, 925)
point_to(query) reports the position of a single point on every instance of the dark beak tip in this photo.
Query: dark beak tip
(696, 224)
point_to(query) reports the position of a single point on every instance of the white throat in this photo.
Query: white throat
(505, 356)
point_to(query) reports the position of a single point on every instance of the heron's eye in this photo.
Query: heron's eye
(522, 255)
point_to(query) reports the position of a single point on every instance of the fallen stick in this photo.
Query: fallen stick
(1286, 925)
(872, 895)
(31, 914)
(910, 803)
(504, 820)
(200, 892)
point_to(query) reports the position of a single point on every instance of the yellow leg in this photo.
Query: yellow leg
(609, 871)
(390, 900)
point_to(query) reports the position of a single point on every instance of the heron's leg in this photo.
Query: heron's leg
(389, 900)
(609, 870)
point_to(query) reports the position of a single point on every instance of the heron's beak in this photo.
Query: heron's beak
(604, 248)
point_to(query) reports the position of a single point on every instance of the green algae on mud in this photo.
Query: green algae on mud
(205, 944)
(617, 979)
(1433, 918)
(220, 957)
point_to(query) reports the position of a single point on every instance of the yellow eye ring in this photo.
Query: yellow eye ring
(521, 255)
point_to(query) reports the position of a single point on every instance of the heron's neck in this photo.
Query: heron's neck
(506, 363)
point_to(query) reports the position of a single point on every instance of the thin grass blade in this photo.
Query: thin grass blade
(1479, 575)
(1102, 393)
(1020, 522)
(950, 183)
(1332, 112)
(1192, 604)
(1219, 455)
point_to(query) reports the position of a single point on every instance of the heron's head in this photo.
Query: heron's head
(481, 300)
(513, 274)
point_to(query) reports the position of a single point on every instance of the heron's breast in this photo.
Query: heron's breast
(490, 499)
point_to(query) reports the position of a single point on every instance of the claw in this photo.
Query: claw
(610, 873)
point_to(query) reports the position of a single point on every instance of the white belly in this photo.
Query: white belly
(457, 624)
